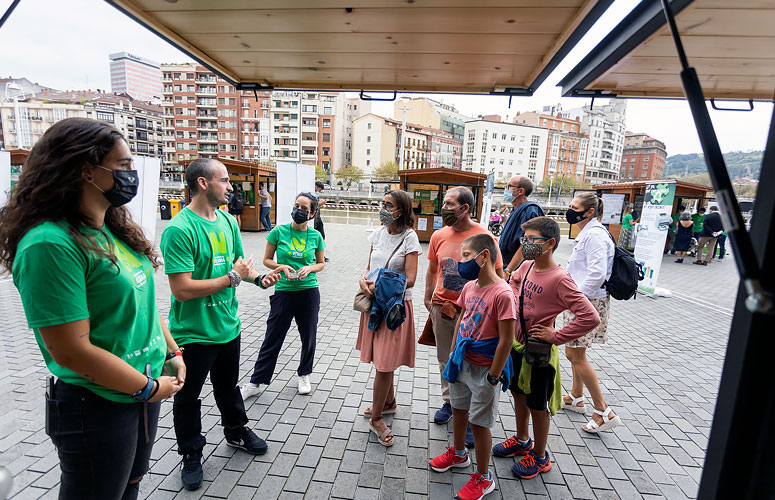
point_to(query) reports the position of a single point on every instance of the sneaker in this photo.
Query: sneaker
(531, 465)
(248, 441)
(469, 437)
(249, 389)
(512, 447)
(191, 471)
(304, 385)
(444, 462)
(443, 414)
(476, 488)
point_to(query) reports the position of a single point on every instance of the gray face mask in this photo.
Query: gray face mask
(386, 217)
(531, 251)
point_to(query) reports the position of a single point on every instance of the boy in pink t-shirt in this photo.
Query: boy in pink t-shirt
(546, 290)
(480, 355)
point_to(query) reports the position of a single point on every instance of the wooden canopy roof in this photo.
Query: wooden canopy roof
(486, 46)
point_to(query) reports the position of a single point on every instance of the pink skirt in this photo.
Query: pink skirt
(387, 349)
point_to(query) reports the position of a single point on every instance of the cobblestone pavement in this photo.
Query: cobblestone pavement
(660, 372)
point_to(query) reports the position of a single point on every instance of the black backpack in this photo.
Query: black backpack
(236, 202)
(626, 272)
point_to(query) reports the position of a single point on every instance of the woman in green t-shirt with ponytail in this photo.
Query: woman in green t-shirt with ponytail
(296, 251)
(84, 271)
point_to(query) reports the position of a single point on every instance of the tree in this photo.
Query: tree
(388, 171)
(350, 174)
(320, 174)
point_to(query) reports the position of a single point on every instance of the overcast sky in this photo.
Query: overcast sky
(65, 45)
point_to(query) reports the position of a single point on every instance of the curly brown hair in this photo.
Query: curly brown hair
(49, 189)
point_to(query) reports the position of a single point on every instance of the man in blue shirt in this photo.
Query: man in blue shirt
(516, 193)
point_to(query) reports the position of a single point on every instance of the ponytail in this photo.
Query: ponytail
(589, 200)
(600, 209)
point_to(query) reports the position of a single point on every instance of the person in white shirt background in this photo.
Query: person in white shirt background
(589, 265)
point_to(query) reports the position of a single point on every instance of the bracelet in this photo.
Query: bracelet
(155, 389)
(234, 278)
(171, 355)
(144, 394)
(259, 280)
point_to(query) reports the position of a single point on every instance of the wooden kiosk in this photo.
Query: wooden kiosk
(634, 193)
(427, 187)
(248, 175)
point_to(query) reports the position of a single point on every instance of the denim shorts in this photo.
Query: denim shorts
(472, 392)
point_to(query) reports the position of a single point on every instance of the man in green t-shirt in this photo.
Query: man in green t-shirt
(204, 260)
(697, 219)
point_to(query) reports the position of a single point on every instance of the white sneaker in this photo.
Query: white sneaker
(304, 385)
(249, 389)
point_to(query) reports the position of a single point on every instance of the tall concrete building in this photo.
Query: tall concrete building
(348, 110)
(506, 149)
(255, 126)
(137, 76)
(605, 126)
(644, 157)
(432, 114)
(200, 115)
(566, 151)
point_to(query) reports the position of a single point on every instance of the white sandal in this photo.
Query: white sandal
(574, 405)
(592, 426)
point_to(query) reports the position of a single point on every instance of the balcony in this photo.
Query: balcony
(207, 116)
(200, 104)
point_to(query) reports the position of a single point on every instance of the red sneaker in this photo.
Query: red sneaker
(476, 488)
(444, 462)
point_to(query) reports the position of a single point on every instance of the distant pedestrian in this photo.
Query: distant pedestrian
(590, 265)
(711, 230)
(295, 252)
(625, 235)
(721, 245)
(319, 226)
(266, 206)
(396, 247)
(236, 204)
(683, 236)
(517, 191)
(85, 274)
(697, 218)
(673, 232)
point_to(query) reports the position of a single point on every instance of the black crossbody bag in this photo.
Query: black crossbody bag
(537, 352)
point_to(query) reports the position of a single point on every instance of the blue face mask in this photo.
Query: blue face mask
(508, 195)
(469, 269)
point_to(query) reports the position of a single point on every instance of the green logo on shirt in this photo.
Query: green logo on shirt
(220, 249)
(130, 263)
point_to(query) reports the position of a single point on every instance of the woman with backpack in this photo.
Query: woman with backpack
(590, 265)
(236, 205)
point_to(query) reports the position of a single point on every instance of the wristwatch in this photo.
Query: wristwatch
(492, 380)
(259, 280)
(234, 278)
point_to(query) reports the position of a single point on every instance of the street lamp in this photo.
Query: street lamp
(404, 101)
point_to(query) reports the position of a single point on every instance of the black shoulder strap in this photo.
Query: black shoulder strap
(522, 300)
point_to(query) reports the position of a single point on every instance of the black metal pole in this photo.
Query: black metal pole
(8, 12)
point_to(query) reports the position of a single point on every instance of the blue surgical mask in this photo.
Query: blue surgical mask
(508, 195)
(469, 269)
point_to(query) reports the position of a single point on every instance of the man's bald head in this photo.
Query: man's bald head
(522, 186)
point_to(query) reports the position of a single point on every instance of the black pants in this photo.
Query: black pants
(221, 361)
(301, 305)
(319, 225)
(101, 444)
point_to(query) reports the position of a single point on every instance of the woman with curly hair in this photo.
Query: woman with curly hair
(84, 271)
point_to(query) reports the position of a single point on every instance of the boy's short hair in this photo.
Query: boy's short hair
(546, 227)
(479, 242)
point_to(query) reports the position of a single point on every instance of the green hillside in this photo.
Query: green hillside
(740, 164)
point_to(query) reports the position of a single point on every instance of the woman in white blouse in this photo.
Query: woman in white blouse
(389, 349)
(590, 266)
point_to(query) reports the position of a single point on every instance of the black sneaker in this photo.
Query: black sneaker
(191, 471)
(248, 441)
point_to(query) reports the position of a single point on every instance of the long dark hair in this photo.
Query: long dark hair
(404, 204)
(49, 189)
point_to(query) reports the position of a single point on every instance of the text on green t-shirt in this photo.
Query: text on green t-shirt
(296, 249)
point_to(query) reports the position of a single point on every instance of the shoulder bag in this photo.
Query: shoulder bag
(362, 302)
(537, 352)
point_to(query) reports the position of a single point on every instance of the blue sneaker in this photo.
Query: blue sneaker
(531, 465)
(443, 414)
(512, 447)
(469, 438)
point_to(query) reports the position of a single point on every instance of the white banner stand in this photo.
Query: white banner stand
(143, 206)
(292, 178)
(5, 177)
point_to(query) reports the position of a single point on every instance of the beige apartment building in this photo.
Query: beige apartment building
(566, 150)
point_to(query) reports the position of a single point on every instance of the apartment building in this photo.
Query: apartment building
(566, 152)
(255, 126)
(375, 141)
(643, 158)
(23, 121)
(604, 124)
(505, 149)
(432, 114)
(136, 76)
(200, 115)
(348, 110)
(445, 151)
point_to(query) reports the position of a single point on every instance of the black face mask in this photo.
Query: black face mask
(574, 217)
(125, 184)
(300, 215)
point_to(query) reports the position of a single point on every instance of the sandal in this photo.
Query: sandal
(592, 426)
(388, 409)
(385, 436)
(574, 405)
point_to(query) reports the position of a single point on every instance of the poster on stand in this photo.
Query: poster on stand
(654, 223)
(612, 208)
(143, 206)
(489, 188)
(292, 178)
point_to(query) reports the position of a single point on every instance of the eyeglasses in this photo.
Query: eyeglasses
(509, 186)
(531, 239)
(387, 204)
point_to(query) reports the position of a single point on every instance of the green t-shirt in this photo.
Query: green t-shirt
(697, 219)
(627, 221)
(296, 249)
(60, 282)
(206, 249)
(676, 218)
